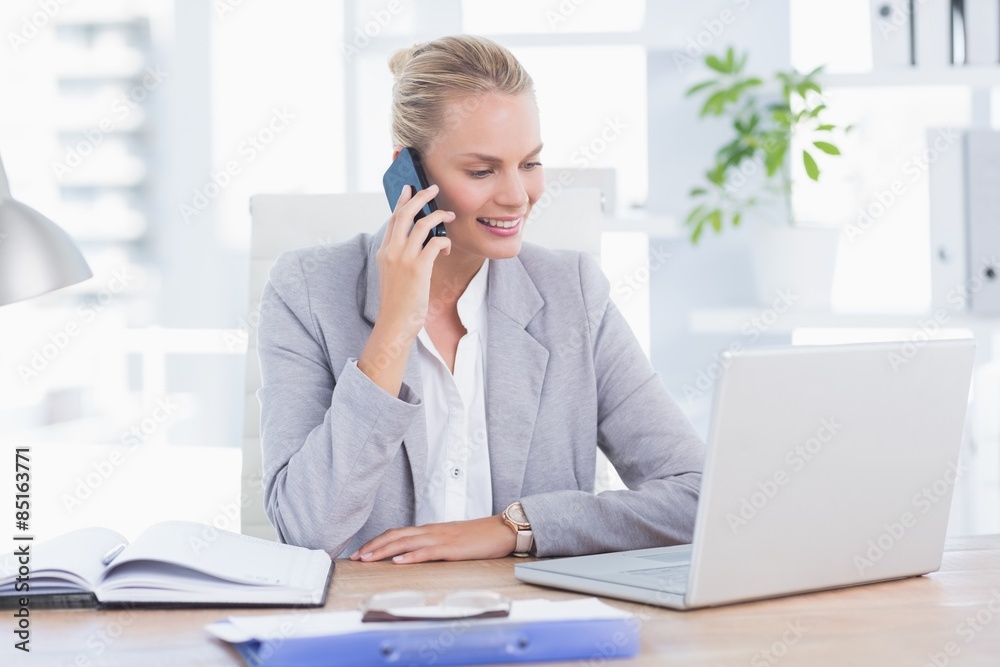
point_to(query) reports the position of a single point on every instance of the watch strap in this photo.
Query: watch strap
(524, 539)
(525, 543)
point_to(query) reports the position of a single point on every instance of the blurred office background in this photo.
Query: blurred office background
(144, 127)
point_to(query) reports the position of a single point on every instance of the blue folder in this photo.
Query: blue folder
(452, 643)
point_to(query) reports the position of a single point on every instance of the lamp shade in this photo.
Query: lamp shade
(36, 256)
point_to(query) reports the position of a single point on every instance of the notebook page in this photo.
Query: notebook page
(68, 563)
(226, 555)
(147, 581)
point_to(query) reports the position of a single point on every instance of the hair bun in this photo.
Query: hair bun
(399, 58)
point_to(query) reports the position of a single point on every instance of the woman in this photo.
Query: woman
(445, 402)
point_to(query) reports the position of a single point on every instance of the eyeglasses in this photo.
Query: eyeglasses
(418, 606)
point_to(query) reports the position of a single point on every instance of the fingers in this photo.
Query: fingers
(391, 543)
(437, 245)
(488, 537)
(401, 237)
(406, 209)
(404, 196)
(421, 555)
(415, 243)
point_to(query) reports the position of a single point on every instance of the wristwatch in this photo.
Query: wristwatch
(515, 517)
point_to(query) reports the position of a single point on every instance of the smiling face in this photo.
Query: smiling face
(486, 165)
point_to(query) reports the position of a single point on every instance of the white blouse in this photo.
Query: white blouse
(458, 463)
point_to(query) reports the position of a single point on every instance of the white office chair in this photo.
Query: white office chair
(570, 219)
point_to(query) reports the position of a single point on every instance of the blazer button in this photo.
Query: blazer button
(456, 473)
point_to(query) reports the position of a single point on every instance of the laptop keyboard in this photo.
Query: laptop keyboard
(667, 579)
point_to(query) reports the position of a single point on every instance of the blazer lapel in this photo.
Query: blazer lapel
(515, 370)
(415, 445)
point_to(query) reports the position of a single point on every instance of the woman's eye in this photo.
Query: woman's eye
(480, 174)
(532, 165)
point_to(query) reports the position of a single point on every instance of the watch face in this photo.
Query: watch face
(516, 513)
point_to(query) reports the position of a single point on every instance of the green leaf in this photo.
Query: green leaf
(717, 65)
(730, 59)
(775, 159)
(742, 63)
(697, 233)
(716, 219)
(775, 148)
(697, 192)
(735, 151)
(717, 175)
(736, 220)
(812, 85)
(826, 128)
(699, 224)
(699, 87)
(715, 103)
(694, 214)
(747, 83)
(734, 159)
(817, 110)
(811, 168)
(781, 115)
(827, 148)
(734, 146)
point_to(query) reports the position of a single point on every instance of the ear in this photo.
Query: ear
(396, 150)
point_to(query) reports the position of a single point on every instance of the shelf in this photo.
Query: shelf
(727, 321)
(98, 226)
(977, 76)
(98, 72)
(122, 179)
(94, 17)
(131, 125)
(651, 224)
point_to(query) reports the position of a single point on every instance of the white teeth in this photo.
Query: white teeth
(500, 223)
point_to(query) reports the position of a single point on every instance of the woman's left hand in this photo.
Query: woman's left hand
(489, 537)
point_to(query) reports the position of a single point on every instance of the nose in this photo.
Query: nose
(511, 192)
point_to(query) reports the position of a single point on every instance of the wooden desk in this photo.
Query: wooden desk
(911, 622)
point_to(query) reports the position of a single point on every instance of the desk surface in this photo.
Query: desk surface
(951, 617)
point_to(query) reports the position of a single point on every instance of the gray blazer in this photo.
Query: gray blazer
(564, 375)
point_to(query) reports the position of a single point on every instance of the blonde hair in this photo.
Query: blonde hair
(432, 74)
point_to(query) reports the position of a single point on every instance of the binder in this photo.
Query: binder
(610, 635)
(946, 187)
(982, 32)
(983, 170)
(932, 33)
(891, 44)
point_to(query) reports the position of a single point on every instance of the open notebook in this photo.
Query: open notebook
(175, 563)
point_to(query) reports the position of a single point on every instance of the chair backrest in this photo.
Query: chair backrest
(567, 217)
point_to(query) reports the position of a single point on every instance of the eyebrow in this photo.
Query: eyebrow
(492, 158)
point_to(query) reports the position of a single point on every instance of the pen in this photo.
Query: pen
(112, 554)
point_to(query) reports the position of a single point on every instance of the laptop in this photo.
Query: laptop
(827, 466)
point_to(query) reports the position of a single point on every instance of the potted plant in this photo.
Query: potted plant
(750, 174)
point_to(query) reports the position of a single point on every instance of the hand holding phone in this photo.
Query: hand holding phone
(407, 169)
(404, 280)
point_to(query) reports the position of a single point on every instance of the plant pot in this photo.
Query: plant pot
(795, 263)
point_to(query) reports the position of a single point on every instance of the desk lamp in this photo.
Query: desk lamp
(36, 256)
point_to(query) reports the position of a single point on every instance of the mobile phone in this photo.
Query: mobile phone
(407, 169)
